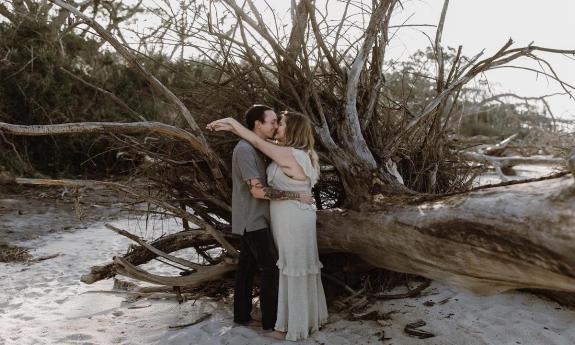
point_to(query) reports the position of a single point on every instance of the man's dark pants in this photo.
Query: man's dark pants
(258, 252)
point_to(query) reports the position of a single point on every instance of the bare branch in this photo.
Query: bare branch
(207, 274)
(105, 127)
(320, 40)
(154, 250)
(354, 138)
(438, 49)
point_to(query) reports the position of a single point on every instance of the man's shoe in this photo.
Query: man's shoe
(251, 323)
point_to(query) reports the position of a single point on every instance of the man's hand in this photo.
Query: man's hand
(306, 198)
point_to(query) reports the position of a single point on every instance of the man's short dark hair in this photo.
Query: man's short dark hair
(256, 113)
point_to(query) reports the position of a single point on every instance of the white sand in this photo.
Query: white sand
(45, 303)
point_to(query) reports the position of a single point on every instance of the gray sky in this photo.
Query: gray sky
(488, 24)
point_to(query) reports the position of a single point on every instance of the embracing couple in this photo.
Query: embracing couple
(273, 209)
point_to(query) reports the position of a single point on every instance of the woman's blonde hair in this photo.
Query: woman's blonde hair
(299, 134)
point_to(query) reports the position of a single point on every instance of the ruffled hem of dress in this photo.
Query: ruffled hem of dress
(292, 272)
(302, 335)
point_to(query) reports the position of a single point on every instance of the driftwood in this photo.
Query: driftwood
(487, 241)
(499, 148)
(200, 319)
(503, 164)
(140, 255)
(412, 329)
(461, 239)
(108, 128)
(182, 262)
(510, 161)
(199, 277)
(493, 155)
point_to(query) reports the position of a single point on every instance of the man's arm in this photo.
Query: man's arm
(259, 191)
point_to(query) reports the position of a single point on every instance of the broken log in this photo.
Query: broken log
(140, 255)
(499, 148)
(141, 242)
(512, 160)
(503, 165)
(201, 276)
(485, 241)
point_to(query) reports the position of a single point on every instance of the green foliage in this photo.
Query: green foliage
(41, 83)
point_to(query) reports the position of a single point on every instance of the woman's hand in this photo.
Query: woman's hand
(226, 124)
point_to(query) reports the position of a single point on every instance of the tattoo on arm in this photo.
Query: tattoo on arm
(273, 194)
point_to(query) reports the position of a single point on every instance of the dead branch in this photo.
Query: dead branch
(497, 149)
(201, 276)
(510, 161)
(106, 128)
(351, 131)
(140, 255)
(154, 250)
(410, 293)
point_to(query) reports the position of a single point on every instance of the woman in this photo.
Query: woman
(301, 301)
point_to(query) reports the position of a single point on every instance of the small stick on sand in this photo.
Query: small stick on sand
(202, 318)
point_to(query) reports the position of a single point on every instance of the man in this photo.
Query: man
(251, 219)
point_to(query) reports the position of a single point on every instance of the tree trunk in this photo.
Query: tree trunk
(485, 241)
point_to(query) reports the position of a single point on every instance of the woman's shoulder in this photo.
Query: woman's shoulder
(299, 152)
(303, 158)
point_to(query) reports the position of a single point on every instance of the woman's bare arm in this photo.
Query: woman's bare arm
(280, 154)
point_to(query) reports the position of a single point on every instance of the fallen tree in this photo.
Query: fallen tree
(427, 223)
(485, 241)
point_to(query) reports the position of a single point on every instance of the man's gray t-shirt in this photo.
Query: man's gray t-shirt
(248, 213)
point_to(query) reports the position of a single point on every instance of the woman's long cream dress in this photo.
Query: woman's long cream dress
(302, 307)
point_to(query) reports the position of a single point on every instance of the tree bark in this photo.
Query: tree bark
(485, 241)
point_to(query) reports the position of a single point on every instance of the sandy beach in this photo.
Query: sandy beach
(45, 303)
(423, 151)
